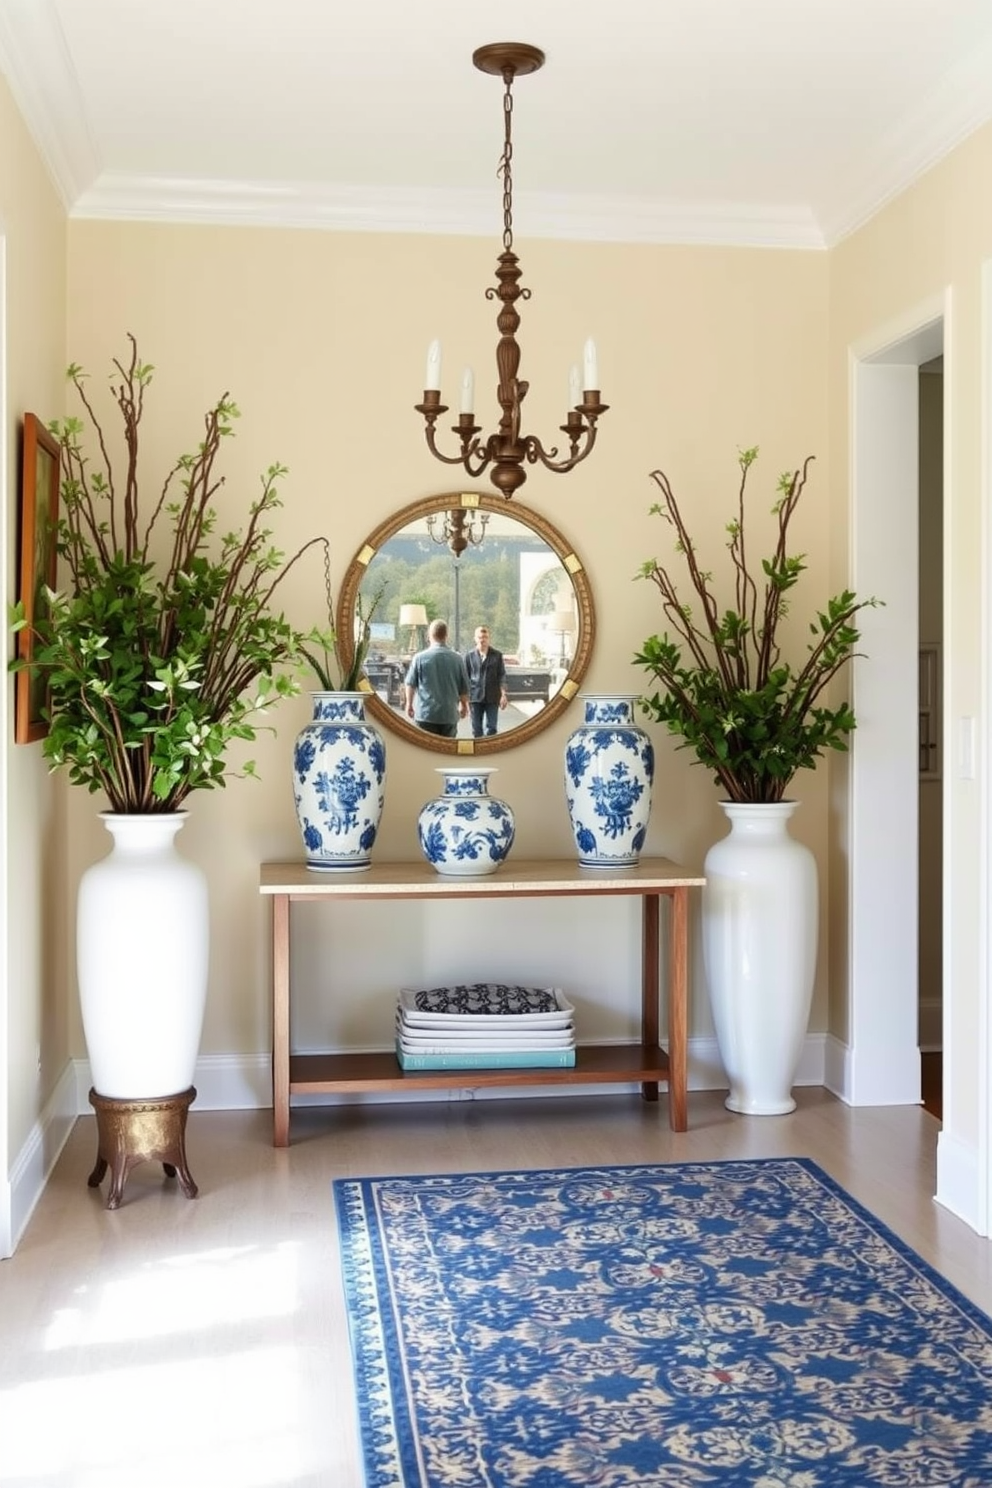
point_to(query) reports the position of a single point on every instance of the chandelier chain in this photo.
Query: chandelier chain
(506, 161)
(507, 451)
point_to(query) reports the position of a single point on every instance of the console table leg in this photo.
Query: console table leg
(280, 1020)
(650, 1021)
(678, 1015)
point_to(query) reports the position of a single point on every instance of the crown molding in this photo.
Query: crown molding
(35, 60)
(942, 120)
(466, 213)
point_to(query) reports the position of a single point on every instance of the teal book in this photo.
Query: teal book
(479, 1059)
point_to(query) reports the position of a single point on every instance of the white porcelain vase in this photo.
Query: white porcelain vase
(142, 956)
(339, 783)
(759, 923)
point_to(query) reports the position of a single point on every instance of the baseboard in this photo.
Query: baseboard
(6, 1234)
(836, 1073)
(39, 1154)
(813, 1060)
(894, 1081)
(224, 1082)
(958, 1181)
(243, 1082)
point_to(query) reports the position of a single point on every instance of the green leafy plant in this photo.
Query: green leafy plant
(165, 642)
(752, 718)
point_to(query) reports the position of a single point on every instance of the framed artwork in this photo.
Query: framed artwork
(39, 561)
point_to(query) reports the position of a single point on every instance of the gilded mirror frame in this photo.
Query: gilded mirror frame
(448, 501)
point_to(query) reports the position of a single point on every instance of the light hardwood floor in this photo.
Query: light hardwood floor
(202, 1343)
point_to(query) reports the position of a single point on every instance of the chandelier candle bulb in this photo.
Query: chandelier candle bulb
(432, 376)
(590, 367)
(574, 387)
(467, 404)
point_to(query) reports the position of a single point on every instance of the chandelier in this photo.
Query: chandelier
(455, 533)
(508, 448)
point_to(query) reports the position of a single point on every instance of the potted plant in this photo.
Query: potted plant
(161, 648)
(753, 718)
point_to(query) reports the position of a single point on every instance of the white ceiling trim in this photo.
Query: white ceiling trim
(467, 213)
(36, 62)
(944, 117)
(35, 58)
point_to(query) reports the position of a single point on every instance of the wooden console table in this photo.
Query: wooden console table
(596, 1064)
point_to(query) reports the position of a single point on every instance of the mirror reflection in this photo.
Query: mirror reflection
(467, 559)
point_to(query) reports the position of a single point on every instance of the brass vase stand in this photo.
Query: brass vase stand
(135, 1131)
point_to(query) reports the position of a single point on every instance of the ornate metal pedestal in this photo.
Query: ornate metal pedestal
(134, 1131)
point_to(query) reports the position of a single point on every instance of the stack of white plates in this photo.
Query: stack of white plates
(484, 1025)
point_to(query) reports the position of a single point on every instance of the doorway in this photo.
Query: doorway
(882, 1060)
(931, 761)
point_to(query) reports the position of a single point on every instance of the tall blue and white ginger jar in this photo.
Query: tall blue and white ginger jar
(609, 775)
(339, 783)
(465, 832)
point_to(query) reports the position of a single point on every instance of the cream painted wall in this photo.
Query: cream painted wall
(33, 997)
(321, 339)
(935, 236)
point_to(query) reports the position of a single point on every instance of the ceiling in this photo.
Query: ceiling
(779, 122)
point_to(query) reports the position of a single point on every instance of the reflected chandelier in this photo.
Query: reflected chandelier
(508, 449)
(456, 533)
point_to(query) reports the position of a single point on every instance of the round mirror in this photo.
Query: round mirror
(473, 561)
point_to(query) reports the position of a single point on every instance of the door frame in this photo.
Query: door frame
(881, 1063)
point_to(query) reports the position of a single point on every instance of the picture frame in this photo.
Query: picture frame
(40, 467)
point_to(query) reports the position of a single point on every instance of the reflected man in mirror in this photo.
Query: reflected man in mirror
(437, 685)
(486, 684)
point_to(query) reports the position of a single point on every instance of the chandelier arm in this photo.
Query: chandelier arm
(450, 459)
(548, 458)
(483, 460)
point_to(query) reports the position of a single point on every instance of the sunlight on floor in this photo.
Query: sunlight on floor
(181, 1294)
(235, 1421)
(156, 1389)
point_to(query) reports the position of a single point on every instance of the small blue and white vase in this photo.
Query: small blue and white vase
(465, 832)
(609, 775)
(339, 783)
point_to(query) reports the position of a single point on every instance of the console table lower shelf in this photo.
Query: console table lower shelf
(595, 1064)
(645, 1062)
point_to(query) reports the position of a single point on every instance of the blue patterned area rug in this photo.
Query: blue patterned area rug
(729, 1323)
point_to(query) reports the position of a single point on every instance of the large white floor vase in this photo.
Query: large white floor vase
(759, 921)
(609, 776)
(142, 957)
(339, 783)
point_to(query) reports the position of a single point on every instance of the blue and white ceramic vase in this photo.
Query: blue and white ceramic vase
(609, 774)
(465, 832)
(339, 783)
